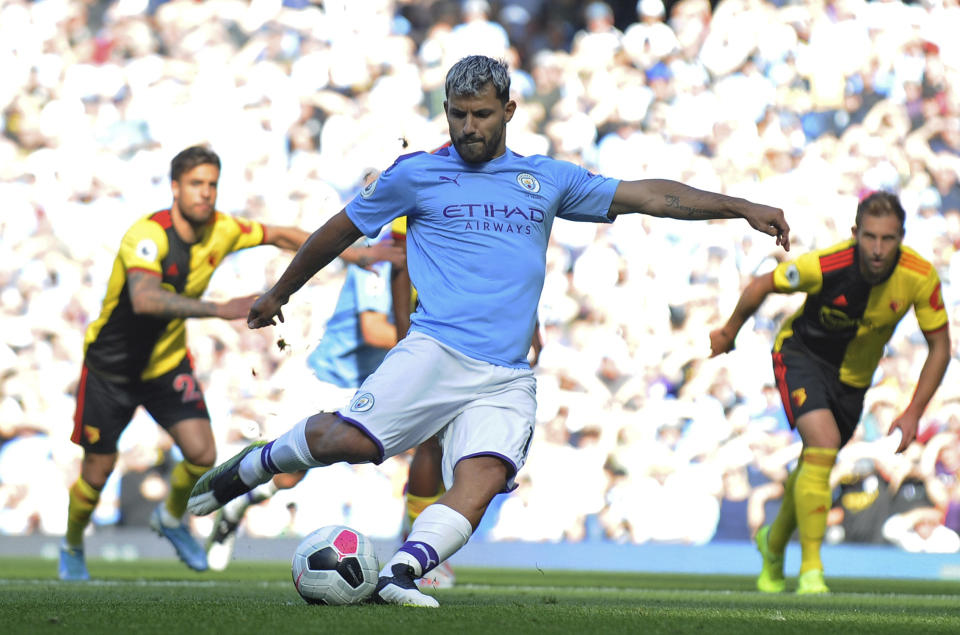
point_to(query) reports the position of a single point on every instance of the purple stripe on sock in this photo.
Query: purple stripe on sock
(265, 461)
(424, 553)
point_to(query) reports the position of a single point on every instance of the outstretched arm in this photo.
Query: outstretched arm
(289, 238)
(671, 199)
(292, 238)
(938, 356)
(318, 251)
(148, 297)
(721, 339)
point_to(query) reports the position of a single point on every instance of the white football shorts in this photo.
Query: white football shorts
(424, 387)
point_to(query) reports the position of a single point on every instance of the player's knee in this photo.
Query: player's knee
(331, 440)
(201, 457)
(481, 478)
(96, 469)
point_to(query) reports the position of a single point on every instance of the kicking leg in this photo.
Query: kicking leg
(319, 440)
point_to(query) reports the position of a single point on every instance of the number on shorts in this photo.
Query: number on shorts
(186, 384)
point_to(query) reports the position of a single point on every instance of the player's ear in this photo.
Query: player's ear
(509, 108)
(853, 230)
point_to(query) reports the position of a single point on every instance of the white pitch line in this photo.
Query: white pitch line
(461, 587)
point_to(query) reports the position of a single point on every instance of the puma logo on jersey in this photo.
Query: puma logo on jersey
(455, 180)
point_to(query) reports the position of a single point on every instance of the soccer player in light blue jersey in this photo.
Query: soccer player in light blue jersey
(478, 221)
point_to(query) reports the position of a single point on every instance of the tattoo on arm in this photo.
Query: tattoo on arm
(693, 213)
(148, 297)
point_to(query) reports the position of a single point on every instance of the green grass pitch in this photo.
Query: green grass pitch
(155, 596)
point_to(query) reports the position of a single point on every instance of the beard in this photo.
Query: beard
(479, 152)
(198, 214)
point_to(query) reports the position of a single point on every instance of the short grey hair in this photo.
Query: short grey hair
(468, 77)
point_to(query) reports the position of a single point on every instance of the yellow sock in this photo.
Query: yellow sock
(184, 476)
(786, 521)
(813, 500)
(83, 500)
(416, 504)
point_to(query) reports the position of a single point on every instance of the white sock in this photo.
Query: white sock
(287, 453)
(437, 534)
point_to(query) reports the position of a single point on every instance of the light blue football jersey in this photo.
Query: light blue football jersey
(477, 239)
(342, 357)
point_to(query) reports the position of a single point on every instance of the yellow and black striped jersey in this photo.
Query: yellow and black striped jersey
(122, 345)
(845, 320)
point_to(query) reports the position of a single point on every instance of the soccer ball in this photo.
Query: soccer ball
(335, 565)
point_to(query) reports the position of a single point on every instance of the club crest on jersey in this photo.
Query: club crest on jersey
(147, 249)
(528, 182)
(369, 188)
(362, 403)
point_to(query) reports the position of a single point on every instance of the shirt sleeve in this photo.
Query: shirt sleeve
(928, 303)
(391, 195)
(245, 233)
(802, 274)
(584, 196)
(143, 247)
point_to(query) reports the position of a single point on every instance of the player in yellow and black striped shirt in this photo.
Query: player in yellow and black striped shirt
(825, 356)
(135, 352)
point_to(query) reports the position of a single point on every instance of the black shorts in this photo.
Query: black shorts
(105, 407)
(806, 383)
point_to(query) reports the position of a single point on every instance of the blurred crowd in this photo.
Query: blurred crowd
(802, 104)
